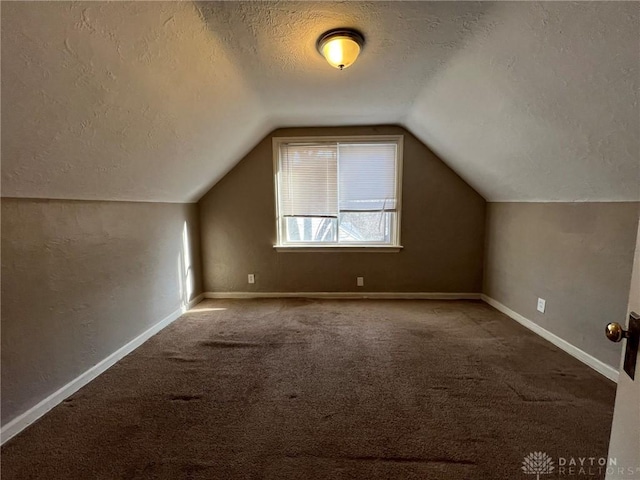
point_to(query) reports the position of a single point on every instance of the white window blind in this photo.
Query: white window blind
(367, 175)
(308, 180)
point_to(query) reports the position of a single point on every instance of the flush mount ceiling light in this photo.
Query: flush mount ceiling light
(340, 47)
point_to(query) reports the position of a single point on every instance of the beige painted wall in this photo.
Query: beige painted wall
(80, 280)
(577, 256)
(442, 231)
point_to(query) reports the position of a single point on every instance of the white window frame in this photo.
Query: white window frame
(368, 247)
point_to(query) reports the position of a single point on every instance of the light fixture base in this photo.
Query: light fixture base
(341, 56)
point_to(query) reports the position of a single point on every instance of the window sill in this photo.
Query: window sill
(339, 248)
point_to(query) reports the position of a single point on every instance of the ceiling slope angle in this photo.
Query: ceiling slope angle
(157, 101)
(119, 101)
(545, 107)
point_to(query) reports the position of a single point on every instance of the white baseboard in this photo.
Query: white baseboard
(195, 301)
(347, 295)
(22, 421)
(607, 370)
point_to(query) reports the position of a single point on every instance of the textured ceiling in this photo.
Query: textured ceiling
(156, 101)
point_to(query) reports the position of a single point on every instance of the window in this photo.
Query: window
(338, 192)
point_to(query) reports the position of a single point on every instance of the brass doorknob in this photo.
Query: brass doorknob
(615, 332)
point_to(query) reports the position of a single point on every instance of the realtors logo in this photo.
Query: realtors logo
(537, 463)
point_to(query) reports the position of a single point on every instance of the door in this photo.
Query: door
(624, 448)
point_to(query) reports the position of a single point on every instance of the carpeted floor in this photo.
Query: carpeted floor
(325, 389)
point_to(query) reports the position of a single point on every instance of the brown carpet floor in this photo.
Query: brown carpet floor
(325, 389)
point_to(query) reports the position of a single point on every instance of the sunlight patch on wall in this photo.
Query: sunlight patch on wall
(185, 269)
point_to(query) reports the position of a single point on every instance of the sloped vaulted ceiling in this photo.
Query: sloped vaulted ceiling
(156, 101)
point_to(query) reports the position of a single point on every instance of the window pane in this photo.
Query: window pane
(311, 229)
(308, 180)
(367, 176)
(338, 191)
(361, 227)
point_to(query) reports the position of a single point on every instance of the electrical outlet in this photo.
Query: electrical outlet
(360, 281)
(252, 278)
(542, 304)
